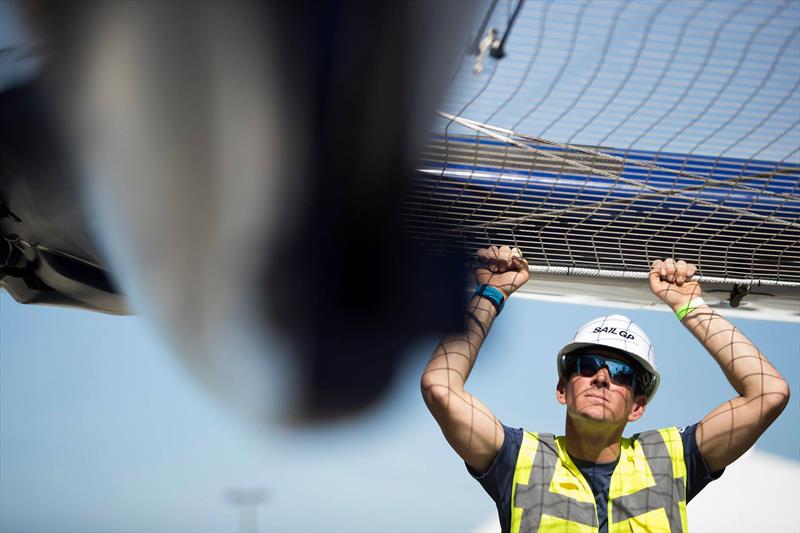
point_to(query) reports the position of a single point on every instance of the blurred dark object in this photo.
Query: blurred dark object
(238, 160)
(359, 291)
(50, 256)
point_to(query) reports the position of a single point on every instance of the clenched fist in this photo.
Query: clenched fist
(670, 280)
(502, 267)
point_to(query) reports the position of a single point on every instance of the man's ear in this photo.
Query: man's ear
(637, 410)
(561, 391)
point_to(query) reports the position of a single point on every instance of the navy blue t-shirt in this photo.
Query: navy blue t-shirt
(498, 479)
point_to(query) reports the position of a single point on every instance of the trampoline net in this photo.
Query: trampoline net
(615, 133)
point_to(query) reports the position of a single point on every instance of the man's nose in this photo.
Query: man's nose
(601, 377)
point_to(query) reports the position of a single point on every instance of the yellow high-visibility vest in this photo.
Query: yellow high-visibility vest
(647, 491)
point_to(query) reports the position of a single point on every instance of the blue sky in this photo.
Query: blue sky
(102, 429)
(721, 75)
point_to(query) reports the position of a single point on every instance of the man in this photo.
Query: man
(593, 479)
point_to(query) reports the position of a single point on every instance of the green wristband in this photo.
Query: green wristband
(688, 308)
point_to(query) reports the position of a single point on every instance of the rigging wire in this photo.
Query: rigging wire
(623, 160)
(479, 35)
(635, 183)
(500, 51)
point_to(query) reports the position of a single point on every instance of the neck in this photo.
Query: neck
(593, 441)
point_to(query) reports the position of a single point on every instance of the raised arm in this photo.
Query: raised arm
(468, 425)
(732, 428)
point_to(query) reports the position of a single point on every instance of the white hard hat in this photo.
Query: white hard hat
(620, 333)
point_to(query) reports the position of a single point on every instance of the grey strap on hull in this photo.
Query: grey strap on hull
(667, 493)
(535, 498)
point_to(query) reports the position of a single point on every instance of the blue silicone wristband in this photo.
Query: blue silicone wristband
(492, 294)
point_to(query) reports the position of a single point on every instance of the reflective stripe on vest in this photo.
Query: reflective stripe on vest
(668, 491)
(646, 493)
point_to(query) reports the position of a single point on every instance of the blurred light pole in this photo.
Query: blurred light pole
(248, 501)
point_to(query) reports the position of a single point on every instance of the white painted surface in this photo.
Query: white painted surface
(766, 303)
(759, 492)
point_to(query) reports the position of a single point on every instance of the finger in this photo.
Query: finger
(658, 266)
(485, 259)
(481, 261)
(691, 268)
(655, 265)
(661, 267)
(520, 264)
(656, 283)
(492, 258)
(503, 258)
(680, 272)
(669, 263)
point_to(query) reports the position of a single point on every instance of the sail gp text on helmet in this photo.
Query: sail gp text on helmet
(611, 330)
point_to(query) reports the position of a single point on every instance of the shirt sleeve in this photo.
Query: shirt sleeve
(697, 474)
(497, 480)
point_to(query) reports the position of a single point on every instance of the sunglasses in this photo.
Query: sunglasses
(589, 364)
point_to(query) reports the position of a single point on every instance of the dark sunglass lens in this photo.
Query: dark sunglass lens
(623, 378)
(588, 366)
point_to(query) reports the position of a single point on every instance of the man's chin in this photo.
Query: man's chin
(597, 414)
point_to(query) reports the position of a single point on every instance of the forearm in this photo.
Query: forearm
(467, 424)
(734, 426)
(454, 357)
(745, 367)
